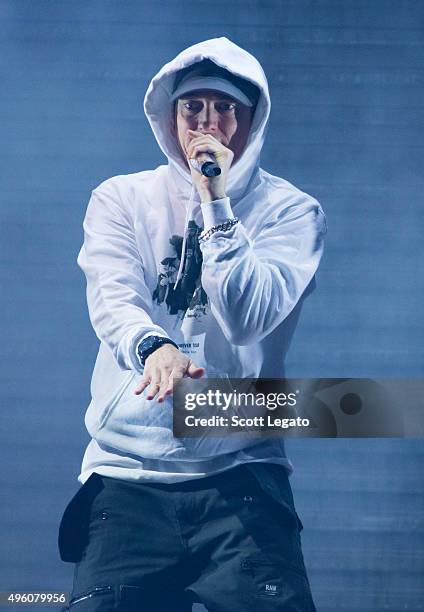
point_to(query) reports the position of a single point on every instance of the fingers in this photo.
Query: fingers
(204, 143)
(195, 135)
(168, 387)
(153, 389)
(151, 380)
(194, 371)
(148, 379)
(205, 147)
(222, 155)
(165, 390)
(161, 381)
(141, 386)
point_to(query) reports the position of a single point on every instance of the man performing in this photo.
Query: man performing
(191, 276)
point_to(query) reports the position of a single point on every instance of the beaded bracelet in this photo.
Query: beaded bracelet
(222, 227)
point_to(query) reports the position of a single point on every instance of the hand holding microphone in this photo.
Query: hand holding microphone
(209, 161)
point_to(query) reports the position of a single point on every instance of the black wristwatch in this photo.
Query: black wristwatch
(150, 344)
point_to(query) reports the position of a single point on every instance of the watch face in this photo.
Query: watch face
(150, 344)
(150, 340)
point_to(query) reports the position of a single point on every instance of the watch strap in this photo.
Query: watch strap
(150, 344)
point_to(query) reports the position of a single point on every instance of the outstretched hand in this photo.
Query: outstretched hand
(163, 369)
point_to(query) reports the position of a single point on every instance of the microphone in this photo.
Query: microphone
(205, 163)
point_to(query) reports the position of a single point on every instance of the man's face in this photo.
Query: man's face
(211, 112)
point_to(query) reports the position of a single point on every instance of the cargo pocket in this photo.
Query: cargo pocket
(283, 582)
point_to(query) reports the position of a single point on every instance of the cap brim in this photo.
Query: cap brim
(212, 83)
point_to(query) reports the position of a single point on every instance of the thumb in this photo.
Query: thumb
(194, 371)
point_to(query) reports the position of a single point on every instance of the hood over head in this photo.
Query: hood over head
(159, 107)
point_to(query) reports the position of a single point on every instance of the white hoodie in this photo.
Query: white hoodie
(242, 316)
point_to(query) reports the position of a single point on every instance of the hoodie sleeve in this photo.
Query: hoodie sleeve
(253, 283)
(119, 302)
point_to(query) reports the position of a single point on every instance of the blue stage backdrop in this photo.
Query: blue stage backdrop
(346, 81)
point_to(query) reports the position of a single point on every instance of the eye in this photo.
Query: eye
(192, 106)
(225, 107)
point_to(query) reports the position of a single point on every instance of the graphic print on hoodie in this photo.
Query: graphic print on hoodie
(187, 297)
(254, 276)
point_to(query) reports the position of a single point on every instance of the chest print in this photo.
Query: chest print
(188, 297)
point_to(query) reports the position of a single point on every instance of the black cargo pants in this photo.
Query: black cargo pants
(230, 541)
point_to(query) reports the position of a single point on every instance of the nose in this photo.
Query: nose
(208, 117)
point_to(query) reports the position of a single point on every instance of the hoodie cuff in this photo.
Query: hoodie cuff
(216, 212)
